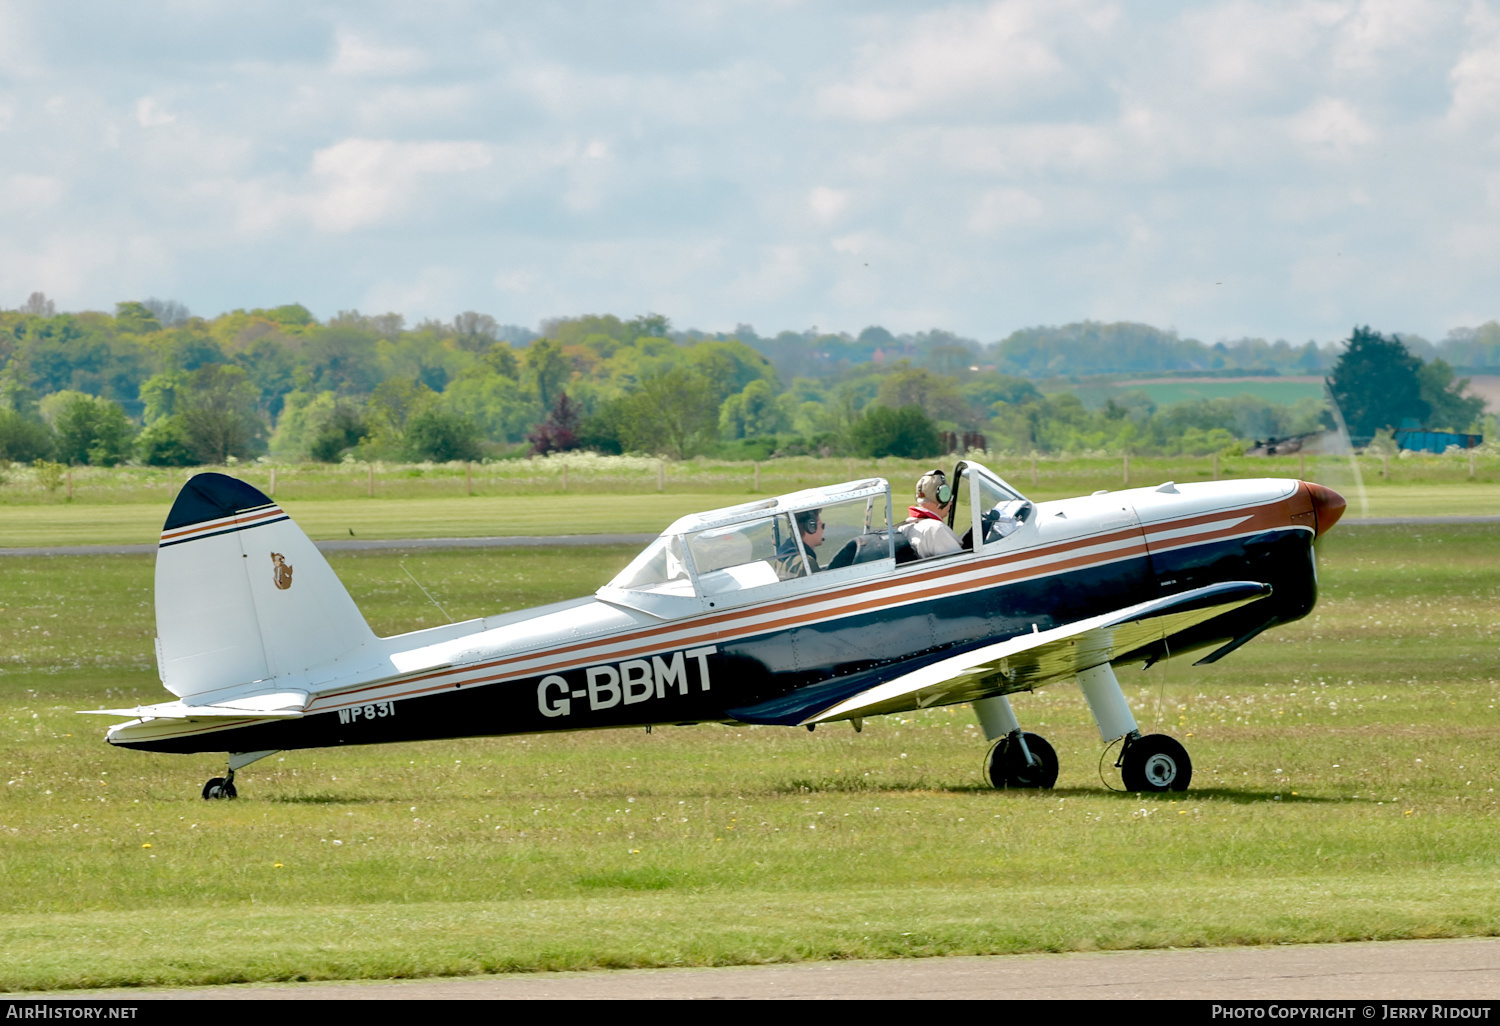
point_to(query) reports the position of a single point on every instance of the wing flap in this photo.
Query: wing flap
(1030, 661)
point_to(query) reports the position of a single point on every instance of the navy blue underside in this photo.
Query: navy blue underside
(796, 707)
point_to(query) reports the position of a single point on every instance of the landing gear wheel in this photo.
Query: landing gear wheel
(1007, 766)
(218, 787)
(1155, 762)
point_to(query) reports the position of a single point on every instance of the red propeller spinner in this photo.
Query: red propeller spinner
(1328, 505)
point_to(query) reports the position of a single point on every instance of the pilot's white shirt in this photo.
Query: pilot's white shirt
(931, 538)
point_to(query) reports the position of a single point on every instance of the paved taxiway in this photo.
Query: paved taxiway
(1363, 973)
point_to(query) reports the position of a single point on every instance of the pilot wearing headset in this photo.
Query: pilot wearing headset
(927, 528)
(789, 561)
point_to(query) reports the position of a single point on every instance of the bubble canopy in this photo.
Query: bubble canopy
(754, 545)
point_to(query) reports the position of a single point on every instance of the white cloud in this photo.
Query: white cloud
(29, 194)
(357, 57)
(1005, 208)
(779, 271)
(827, 204)
(590, 174)
(20, 50)
(1371, 35)
(1004, 151)
(361, 182)
(861, 244)
(1475, 77)
(353, 184)
(518, 281)
(1251, 50)
(414, 105)
(75, 266)
(430, 288)
(1005, 53)
(715, 96)
(1331, 125)
(150, 114)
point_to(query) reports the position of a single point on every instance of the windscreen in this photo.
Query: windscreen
(723, 547)
(742, 556)
(1002, 509)
(659, 568)
(962, 513)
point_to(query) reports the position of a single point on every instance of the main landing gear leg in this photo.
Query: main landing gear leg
(223, 787)
(1155, 762)
(1017, 759)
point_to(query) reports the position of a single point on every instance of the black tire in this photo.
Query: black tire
(1156, 763)
(1007, 765)
(218, 788)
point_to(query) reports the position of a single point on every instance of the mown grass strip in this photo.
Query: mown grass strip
(27, 526)
(274, 944)
(1042, 477)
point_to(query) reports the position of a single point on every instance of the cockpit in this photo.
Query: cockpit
(983, 497)
(827, 535)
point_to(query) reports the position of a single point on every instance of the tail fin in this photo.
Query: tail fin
(242, 594)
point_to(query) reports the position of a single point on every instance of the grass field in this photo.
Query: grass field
(1049, 477)
(128, 505)
(1185, 390)
(1344, 789)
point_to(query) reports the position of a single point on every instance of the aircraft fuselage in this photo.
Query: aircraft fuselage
(601, 663)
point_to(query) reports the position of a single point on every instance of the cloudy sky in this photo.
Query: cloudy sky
(1227, 169)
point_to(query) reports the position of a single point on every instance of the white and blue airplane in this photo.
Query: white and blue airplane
(265, 651)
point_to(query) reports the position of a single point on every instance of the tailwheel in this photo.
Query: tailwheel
(219, 788)
(1155, 762)
(1009, 766)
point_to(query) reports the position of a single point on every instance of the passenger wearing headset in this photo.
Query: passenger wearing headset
(927, 528)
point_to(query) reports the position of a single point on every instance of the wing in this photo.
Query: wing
(1029, 661)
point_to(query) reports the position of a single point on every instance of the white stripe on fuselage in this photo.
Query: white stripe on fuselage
(1185, 532)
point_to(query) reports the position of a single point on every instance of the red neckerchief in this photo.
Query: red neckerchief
(923, 513)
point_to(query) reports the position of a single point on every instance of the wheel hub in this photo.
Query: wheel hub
(1161, 770)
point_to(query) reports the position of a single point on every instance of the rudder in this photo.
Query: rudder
(242, 594)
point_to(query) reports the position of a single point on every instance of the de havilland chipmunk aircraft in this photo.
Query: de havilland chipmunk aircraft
(804, 609)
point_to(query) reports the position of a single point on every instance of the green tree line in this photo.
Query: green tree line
(152, 384)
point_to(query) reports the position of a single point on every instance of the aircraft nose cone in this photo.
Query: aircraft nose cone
(1328, 505)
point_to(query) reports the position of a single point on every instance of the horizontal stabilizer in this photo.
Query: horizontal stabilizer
(1028, 661)
(280, 705)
